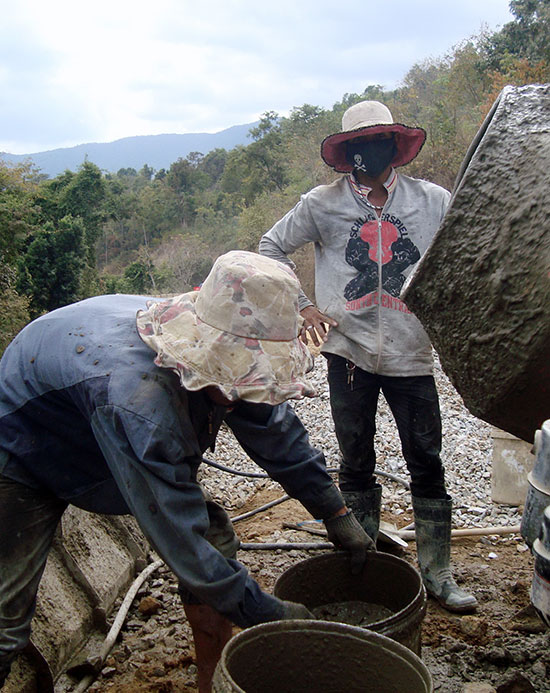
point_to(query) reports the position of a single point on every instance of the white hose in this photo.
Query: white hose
(118, 622)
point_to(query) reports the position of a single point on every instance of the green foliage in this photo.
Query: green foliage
(14, 315)
(256, 219)
(138, 278)
(14, 309)
(51, 266)
(528, 36)
(18, 211)
(82, 195)
(259, 167)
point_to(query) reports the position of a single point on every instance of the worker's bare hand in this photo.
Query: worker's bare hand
(316, 325)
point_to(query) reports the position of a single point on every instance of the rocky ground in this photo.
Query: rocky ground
(504, 647)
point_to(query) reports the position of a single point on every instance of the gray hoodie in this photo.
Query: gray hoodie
(361, 263)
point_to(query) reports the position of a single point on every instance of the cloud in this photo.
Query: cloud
(73, 72)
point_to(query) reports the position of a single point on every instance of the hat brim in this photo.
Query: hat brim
(254, 370)
(409, 141)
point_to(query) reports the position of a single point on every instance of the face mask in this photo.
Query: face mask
(371, 156)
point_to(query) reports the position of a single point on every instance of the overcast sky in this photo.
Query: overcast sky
(74, 72)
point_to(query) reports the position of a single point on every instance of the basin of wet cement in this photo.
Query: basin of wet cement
(354, 613)
(387, 596)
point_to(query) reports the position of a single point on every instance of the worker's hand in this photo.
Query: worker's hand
(315, 325)
(345, 532)
(295, 610)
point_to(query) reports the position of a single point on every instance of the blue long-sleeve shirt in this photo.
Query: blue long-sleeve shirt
(86, 414)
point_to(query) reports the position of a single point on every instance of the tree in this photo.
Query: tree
(50, 268)
(266, 153)
(259, 167)
(84, 197)
(80, 195)
(18, 210)
(213, 164)
(138, 277)
(146, 172)
(528, 36)
(184, 261)
(14, 309)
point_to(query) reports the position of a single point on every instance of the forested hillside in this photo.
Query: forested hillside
(158, 231)
(157, 151)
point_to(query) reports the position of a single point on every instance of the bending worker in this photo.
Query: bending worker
(112, 413)
(369, 227)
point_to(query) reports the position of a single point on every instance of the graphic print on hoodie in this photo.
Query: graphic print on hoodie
(367, 247)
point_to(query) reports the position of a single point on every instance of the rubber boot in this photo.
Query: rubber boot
(4, 671)
(432, 522)
(365, 505)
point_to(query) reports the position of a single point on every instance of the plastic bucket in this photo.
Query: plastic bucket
(317, 657)
(386, 580)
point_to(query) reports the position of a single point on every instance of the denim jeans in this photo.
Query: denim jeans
(414, 404)
(28, 520)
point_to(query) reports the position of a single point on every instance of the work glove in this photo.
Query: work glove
(295, 610)
(345, 532)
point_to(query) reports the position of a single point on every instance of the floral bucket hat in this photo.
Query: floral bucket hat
(239, 332)
(370, 118)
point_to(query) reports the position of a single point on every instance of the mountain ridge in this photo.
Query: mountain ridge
(157, 151)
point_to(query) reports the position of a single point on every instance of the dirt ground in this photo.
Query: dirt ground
(504, 647)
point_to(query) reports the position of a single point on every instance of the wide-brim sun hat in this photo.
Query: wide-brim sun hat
(370, 118)
(239, 332)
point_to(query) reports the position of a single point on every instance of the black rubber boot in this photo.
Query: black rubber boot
(4, 671)
(432, 522)
(365, 505)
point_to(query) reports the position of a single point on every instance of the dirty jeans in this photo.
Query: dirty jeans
(28, 520)
(414, 404)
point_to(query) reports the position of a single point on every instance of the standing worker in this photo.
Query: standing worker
(369, 228)
(89, 416)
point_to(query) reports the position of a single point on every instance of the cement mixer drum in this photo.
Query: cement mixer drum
(482, 290)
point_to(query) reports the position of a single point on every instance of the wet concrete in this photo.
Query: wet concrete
(354, 613)
(482, 290)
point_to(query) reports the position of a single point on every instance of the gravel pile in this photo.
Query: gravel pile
(467, 453)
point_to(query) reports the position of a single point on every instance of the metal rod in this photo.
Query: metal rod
(409, 535)
(298, 546)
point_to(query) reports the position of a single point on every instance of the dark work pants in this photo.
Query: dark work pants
(414, 404)
(28, 520)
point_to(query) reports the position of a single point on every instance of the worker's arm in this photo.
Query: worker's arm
(275, 438)
(156, 479)
(293, 231)
(290, 233)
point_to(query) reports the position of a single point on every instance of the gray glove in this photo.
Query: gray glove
(345, 532)
(295, 610)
